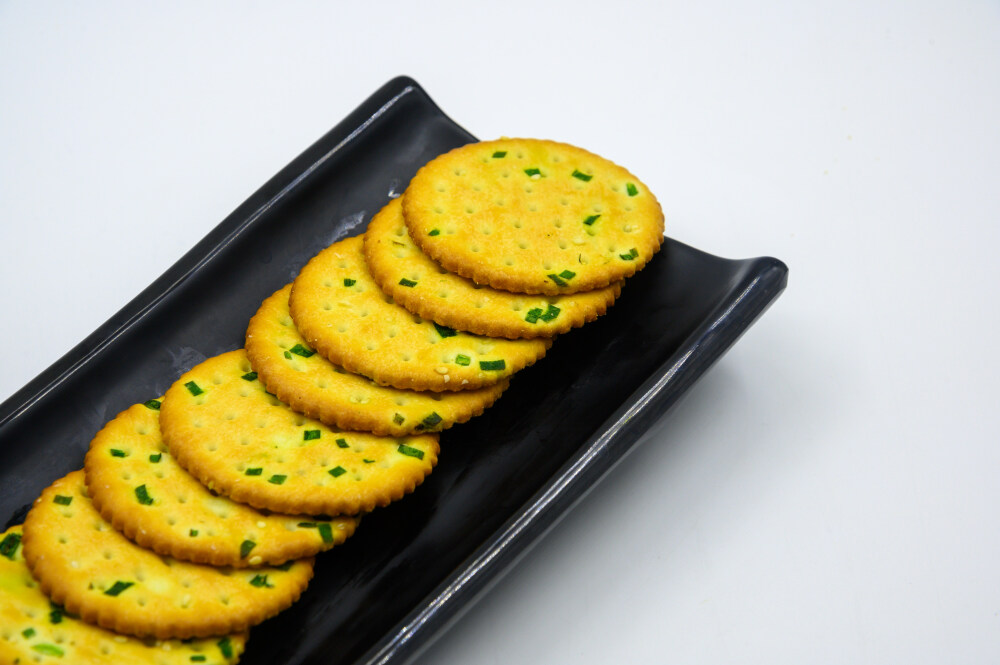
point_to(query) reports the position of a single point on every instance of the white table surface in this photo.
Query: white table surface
(828, 493)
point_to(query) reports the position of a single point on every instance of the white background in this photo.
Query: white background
(828, 493)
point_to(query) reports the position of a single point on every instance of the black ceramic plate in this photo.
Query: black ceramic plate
(503, 478)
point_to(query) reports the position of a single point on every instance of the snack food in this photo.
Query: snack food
(343, 314)
(221, 425)
(312, 385)
(137, 486)
(460, 303)
(532, 216)
(81, 562)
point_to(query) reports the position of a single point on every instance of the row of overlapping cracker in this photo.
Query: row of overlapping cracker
(186, 522)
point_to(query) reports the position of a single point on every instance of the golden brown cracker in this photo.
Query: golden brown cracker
(224, 428)
(84, 564)
(311, 384)
(460, 303)
(343, 314)
(533, 216)
(140, 489)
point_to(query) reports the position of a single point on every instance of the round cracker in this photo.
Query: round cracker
(31, 627)
(241, 441)
(83, 563)
(460, 303)
(343, 314)
(143, 492)
(533, 216)
(312, 385)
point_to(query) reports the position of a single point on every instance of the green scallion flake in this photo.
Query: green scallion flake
(288, 355)
(532, 171)
(193, 388)
(550, 314)
(226, 647)
(254, 471)
(557, 279)
(155, 458)
(28, 633)
(300, 350)
(492, 365)
(9, 545)
(499, 154)
(581, 176)
(118, 453)
(48, 650)
(342, 443)
(286, 566)
(193, 533)
(410, 451)
(567, 274)
(261, 581)
(432, 420)
(367, 461)
(407, 282)
(462, 360)
(445, 331)
(350, 282)
(631, 256)
(63, 500)
(337, 471)
(434, 232)
(143, 496)
(631, 189)
(307, 525)
(326, 533)
(533, 315)
(245, 548)
(117, 588)
(153, 404)
(56, 615)
(198, 658)
(310, 434)
(249, 376)
(398, 419)
(277, 479)
(590, 220)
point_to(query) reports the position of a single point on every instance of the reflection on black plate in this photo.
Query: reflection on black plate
(503, 478)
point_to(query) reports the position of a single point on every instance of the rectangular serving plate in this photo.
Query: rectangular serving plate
(503, 479)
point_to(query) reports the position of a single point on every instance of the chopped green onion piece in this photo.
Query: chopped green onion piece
(557, 279)
(434, 232)
(500, 154)
(632, 190)
(326, 533)
(143, 496)
(277, 479)
(307, 525)
(198, 658)
(63, 500)
(350, 282)
(567, 274)
(261, 581)
(48, 650)
(410, 451)
(226, 647)
(255, 471)
(407, 282)
(398, 419)
(590, 220)
(56, 615)
(193, 388)
(117, 588)
(551, 313)
(28, 633)
(300, 350)
(342, 443)
(337, 471)
(193, 533)
(286, 566)
(155, 458)
(632, 255)
(153, 404)
(533, 315)
(431, 420)
(118, 453)
(367, 461)
(288, 355)
(581, 176)
(249, 376)
(532, 171)
(10, 544)
(310, 434)
(492, 365)
(462, 360)
(245, 548)
(445, 331)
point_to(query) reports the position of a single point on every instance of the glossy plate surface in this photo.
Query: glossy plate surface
(503, 478)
